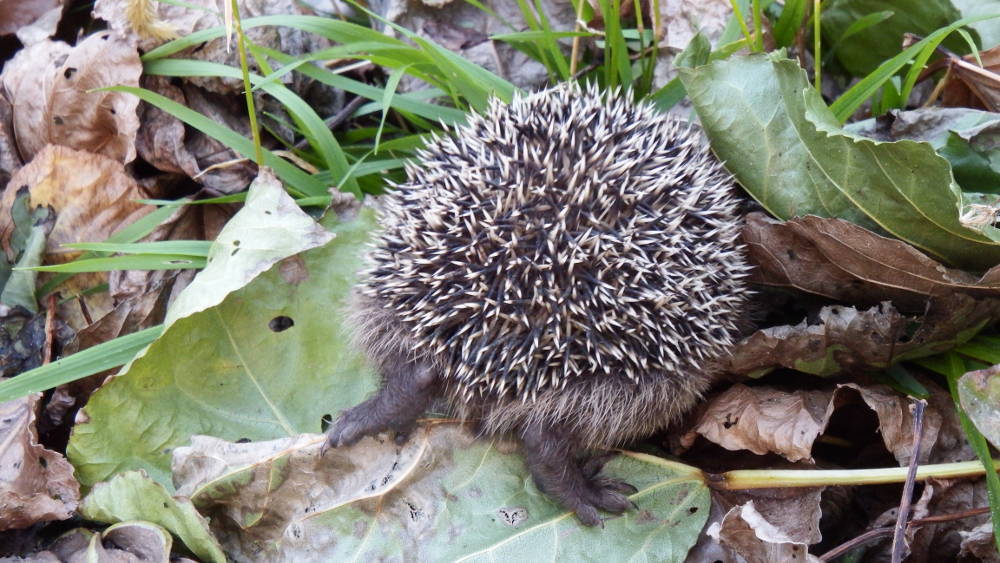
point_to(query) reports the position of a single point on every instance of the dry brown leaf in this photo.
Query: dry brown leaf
(9, 159)
(196, 15)
(125, 542)
(896, 421)
(166, 143)
(31, 20)
(845, 339)
(49, 85)
(92, 197)
(765, 419)
(839, 260)
(748, 533)
(770, 420)
(979, 543)
(970, 85)
(36, 484)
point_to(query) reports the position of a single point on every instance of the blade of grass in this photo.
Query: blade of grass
(182, 247)
(404, 102)
(297, 181)
(131, 233)
(857, 26)
(313, 126)
(389, 91)
(864, 89)
(241, 44)
(102, 357)
(789, 22)
(131, 262)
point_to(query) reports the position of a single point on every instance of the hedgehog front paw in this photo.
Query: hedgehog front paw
(350, 427)
(601, 493)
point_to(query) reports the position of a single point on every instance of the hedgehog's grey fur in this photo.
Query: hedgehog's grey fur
(565, 267)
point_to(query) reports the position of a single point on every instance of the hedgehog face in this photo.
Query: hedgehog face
(566, 235)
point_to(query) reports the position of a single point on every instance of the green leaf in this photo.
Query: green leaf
(270, 360)
(132, 495)
(695, 54)
(441, 496)
(268, 228)
(95, 359)
(19, 288)
(871, 46)
(801, 162)
(979, 393)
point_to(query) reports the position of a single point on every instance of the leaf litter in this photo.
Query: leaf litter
(878, 301)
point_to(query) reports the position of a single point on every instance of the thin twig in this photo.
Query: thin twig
(50, 329)
(888, 531)
(899, 534)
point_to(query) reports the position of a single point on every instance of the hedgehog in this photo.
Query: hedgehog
(565, 268)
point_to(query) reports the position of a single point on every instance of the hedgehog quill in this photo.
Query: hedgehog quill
(566, 269)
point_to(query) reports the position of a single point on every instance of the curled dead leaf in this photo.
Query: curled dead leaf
(771, 420)
(844, 339)
(755, 539)
(50, 86)
(842, 261)
(36, 484)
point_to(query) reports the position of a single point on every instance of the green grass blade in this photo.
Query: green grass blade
(95, 359)
(131, 262)
(296, 180)
(313, 126)
(852, 99)
(411, 103)
(789, 22)
(390, 90)
(182, 247)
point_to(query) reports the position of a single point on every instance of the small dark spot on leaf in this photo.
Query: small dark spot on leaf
(233, 253)
(166, 505)
(113, 112)
(692, 510)
(42, 461)
(325, 421)
(105, 36)
(280, 323)
(730, 421)
(267, 213)
(791, 254)
(236, 243)
(57, 120)
(243, 441)
(69, 72)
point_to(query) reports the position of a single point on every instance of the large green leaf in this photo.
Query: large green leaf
(270, 360)
(442, 496)
(867, 49)
(779, 139)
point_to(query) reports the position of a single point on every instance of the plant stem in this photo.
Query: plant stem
(817, 55)
(738, 14)
(768, 478)
(758, 32)
(247, 88)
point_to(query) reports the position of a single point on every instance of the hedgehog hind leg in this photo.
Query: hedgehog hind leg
(408, 389)
(575, 483)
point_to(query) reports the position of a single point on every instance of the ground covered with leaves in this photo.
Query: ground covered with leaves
(188, 192)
